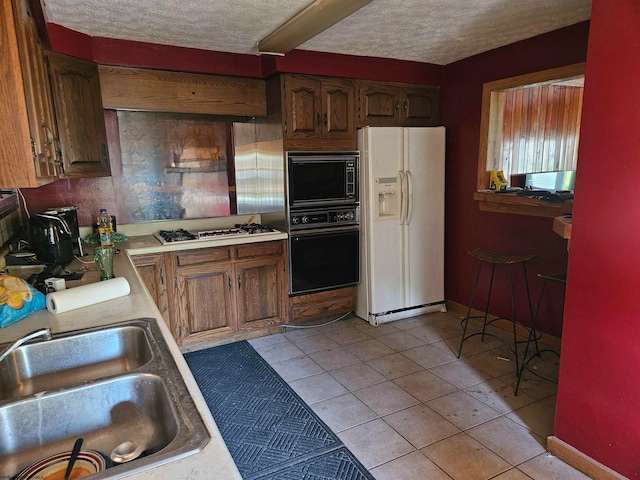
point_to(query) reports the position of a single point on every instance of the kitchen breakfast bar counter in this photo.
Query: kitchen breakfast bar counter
(214, 459)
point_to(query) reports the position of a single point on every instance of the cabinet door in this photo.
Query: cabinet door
(379, 105)
(80, 116)
(419, 106)
(302, 107)
(338, 109)
(260, 284)
(152, 271)
(27, 81)
(205, 299)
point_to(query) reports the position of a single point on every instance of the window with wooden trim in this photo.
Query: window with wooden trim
(531, 123)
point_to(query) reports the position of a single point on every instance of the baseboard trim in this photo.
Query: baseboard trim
(548, 340)
(580, 461)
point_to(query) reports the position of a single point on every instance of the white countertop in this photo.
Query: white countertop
(214, 461)
(150, 244)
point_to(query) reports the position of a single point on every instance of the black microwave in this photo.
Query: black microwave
(322, 178)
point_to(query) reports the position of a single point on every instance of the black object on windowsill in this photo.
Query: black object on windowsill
(546, 195)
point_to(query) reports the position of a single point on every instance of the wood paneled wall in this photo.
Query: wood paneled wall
(541, 128)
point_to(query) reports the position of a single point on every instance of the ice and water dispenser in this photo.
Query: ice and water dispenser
(388, 192)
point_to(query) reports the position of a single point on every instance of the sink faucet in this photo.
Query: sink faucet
(42, 332)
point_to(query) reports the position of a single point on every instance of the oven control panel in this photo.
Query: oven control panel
(331, 217)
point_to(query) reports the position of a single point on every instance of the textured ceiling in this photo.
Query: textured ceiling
(431, 31)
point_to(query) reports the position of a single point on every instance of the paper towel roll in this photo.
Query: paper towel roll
(78, 297)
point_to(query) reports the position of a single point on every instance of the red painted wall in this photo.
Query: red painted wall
(113, 51)
(466, 226)
(598, 409)
(350, 66)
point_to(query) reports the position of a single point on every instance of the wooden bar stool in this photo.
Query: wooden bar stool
(494, 258)
(554, 277)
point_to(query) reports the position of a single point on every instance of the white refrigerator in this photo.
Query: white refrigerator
(402, 222)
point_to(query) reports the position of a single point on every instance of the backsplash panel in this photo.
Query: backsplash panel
(164, 167)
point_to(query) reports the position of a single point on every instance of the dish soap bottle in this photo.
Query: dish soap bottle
(105, 229)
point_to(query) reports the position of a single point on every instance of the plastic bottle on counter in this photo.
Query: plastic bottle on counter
(105, 229)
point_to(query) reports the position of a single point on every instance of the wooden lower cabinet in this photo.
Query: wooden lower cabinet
(152, 270)
(260, 293)
(221, 292)
(322, 304)
(205, 303)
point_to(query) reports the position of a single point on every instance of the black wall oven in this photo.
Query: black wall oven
(323, 259)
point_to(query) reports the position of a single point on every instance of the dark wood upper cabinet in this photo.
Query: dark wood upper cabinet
(379, 105)
(382, 104)
(80, 116)
(338, 109)
(419, 106)
(302, 107)
(318, 113)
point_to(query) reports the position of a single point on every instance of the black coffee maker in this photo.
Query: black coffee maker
(54, 235)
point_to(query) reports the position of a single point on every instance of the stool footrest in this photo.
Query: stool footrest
(525, 366)
(492, 335)
(535, 336)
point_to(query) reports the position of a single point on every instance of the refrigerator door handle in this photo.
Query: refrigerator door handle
(409, 180)
(403, 196)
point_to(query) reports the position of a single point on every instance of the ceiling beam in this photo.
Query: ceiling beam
(308, 23)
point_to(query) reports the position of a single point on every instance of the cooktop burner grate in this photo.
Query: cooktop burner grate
(222, 233)
(176, 235)
(254, 228)
(182, 235)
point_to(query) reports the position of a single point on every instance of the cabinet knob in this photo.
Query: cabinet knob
(326, 120)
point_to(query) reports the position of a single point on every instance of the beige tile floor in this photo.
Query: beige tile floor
(408, 408)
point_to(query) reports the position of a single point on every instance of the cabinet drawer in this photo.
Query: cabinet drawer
(203, 255)
(252, 250)
(322, 304)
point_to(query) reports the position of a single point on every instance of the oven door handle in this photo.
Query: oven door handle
(320, 231)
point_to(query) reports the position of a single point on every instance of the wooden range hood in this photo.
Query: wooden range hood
(125, 88)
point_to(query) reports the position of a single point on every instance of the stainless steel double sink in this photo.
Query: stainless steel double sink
(109, 385)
